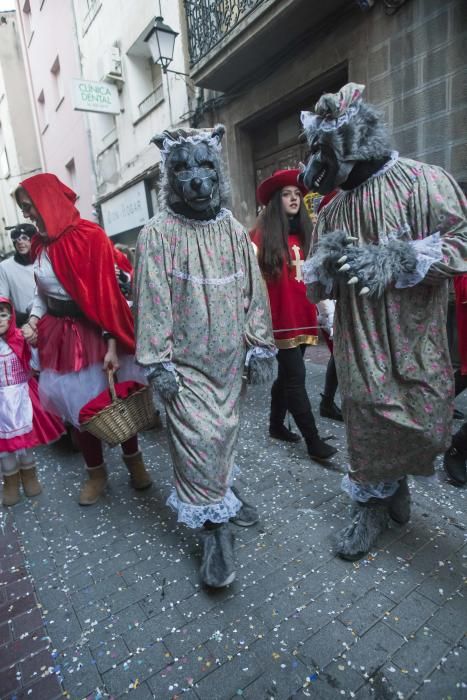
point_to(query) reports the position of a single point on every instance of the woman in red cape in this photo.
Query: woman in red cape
(24, 423)
(80, 319)
(455, 459)
(282, 238)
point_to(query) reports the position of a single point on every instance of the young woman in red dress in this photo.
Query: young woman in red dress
(282, 237)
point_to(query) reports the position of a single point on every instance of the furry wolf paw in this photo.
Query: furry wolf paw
(373, 268)
(165, 382)
(331, 249)
(261, 370)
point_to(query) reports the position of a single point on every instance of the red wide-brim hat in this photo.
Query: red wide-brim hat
(278, 180)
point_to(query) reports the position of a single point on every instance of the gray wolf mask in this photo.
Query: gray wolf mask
(193, 175)
(342, 131)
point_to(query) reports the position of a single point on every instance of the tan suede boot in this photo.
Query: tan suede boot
(11, 495)
(139, 477)
(31, 485)
(94, 486)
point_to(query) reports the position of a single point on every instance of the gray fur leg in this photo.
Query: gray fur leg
(399, 503)
(369, 521)
(261, 370)
(247, 515)
(165, 383)
(218, 560)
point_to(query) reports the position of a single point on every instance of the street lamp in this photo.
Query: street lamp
(161, 40)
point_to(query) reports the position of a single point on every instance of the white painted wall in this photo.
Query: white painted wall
(18, 145)
(116, 22)
(47, 32)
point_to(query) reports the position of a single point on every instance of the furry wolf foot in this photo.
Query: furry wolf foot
(247, 516)
(399, 503)
(261, 370)
(369, 521)
(374, 267)
(165, 382)
(218, 562)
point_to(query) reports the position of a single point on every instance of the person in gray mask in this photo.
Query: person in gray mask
(17, 273)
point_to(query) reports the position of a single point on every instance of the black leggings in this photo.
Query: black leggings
(460, 382)
(289, 393)
(459, 440)
(330, 382)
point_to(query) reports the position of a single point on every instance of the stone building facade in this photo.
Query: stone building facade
(265, 60)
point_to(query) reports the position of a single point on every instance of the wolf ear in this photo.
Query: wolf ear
(158, 139)
(218, 132)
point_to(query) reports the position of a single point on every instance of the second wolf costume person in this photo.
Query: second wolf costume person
(408, 229)
(201, 315)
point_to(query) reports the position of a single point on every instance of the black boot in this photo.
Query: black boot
(328, 409)
(280, 432)
(218, 561)
(356, 540)
(277, 415)
(399, 503)
(318, 449)
(247, 515)
(455, 459)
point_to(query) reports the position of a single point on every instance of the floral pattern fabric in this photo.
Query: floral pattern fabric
(391, 354)
(200, 303)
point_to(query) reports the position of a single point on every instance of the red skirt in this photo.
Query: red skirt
(46, 428)
(69, 344)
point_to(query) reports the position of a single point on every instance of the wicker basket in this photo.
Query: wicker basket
(123, 418)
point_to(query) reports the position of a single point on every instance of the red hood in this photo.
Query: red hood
(54, 201)
(14, 338)
(82, 257)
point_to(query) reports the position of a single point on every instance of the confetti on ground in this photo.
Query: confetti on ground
(122, 604)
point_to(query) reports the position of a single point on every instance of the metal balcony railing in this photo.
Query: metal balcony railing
(152, 100)
(209, 21)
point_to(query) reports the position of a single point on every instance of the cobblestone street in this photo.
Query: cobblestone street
(106, 600)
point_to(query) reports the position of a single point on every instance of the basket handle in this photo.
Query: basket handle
(110, 377)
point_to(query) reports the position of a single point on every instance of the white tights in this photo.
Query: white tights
(12, 462)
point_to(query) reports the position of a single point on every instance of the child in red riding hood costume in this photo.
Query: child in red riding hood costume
(282, 237)
(24, 423)
(79, 318)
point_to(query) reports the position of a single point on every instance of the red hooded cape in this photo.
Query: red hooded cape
(14, 338)
(82, 257)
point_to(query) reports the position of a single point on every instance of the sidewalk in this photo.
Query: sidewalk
(121, 602)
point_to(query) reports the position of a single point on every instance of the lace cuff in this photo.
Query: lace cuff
(261, 352)
(363, 492)
(196, 516)
(429, 252)
(149, 370)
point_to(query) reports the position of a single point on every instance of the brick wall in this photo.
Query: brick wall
(417, 73)
(412, 63)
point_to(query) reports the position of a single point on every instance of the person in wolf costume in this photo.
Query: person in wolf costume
(384, 247)
(202, 316)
